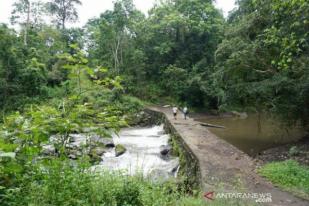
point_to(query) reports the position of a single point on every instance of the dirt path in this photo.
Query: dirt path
(223, 167)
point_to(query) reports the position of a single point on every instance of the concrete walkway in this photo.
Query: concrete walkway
(223, 167)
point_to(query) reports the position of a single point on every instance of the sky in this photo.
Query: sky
(93, 8)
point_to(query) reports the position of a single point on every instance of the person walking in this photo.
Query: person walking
(185, 112)
(175, 110)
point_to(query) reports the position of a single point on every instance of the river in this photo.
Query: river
(245, 135)
(143, 147)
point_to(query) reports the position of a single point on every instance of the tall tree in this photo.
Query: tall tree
(63, 11)
(27, 13)
(112, 34)
(261, 63)
(21, 14)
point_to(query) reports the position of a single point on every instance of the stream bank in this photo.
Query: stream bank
(298, 151)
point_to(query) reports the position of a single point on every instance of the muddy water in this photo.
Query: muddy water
(245, 134)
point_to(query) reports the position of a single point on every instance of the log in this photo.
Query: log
(211, 125)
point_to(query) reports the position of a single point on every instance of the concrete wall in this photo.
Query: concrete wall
(189, 165)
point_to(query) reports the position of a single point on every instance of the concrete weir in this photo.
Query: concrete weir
(217, 166)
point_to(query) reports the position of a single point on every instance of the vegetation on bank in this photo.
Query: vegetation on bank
(288, 175)
(61, 183)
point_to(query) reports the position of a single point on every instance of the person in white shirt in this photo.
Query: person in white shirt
(185, 112)
(175, 110)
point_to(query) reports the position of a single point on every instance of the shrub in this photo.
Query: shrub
(59, 182)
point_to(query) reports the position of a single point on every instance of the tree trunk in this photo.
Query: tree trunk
(259, 120)
(64, 13)
(116, 53)
(27, 23)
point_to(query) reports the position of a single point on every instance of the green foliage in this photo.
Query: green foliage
(21, 9)
(120, 149)
(182, 52)
(24, 133)
(259, 61)
(80, 187)
(17, 70)
(175, 78)
(177, 35)
(63, 11)
(288, 175)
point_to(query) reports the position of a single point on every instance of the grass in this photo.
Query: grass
(288, 175)
(58, 183)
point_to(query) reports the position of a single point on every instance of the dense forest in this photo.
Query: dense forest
(183, 51)
(57, 80)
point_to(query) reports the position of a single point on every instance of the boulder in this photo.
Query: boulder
(72, 156)
(165, 150)
(48, 150)
(120, 150)
(76, 153)
(99, 151)
(94, 157)
(107, 142)
(78, 140)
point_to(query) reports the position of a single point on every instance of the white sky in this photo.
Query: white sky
(93, 8)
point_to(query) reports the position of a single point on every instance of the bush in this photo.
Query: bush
(61, 183)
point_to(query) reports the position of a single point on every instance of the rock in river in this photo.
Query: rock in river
(98, 151)
(107, 142)
(120, 150)
(165, 149)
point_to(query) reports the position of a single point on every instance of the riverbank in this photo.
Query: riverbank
(298, 151)
(222, 166)
(287, 167)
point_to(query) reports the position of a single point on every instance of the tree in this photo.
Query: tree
(177, 34)
(112, 35)
(9, 63)
(261, 61)
(182, 34)
(28, 13)
(63, 11)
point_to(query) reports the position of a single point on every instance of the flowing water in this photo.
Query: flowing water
(142, 155)
(245, 133)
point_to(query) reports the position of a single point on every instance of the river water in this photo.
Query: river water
(142, 155)
(245, 134)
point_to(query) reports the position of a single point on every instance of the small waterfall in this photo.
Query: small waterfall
(143, 154)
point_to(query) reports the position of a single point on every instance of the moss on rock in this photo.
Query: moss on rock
(120, 150)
